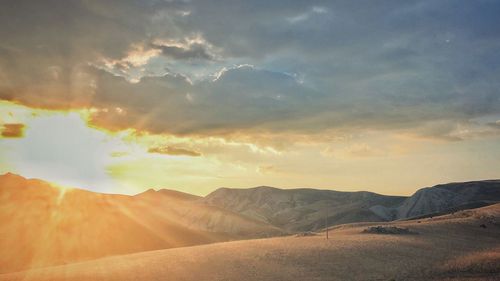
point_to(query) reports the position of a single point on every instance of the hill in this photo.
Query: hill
(301, 209)
(444, 198)
(306, 209)
(46, 225)
(462, 246)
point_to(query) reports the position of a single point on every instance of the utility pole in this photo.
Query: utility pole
(326, 223)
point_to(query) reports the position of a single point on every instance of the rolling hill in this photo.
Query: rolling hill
(305, 209)
(45, 225)
(451, 247)
(444, 198)
(301, 209)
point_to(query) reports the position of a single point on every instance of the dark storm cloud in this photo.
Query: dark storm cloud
(318, 65)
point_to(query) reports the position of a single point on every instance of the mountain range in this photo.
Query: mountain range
(310, 209)
(43, 224)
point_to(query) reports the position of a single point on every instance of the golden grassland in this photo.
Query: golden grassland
(450, 247)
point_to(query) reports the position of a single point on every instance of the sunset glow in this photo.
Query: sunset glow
(66, 148)
(183, 102)
(248, 140)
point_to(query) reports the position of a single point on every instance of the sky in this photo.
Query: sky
(123, 96)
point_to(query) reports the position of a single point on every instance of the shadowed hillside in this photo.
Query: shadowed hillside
(301, 209)
(306, 209)
(444, 198)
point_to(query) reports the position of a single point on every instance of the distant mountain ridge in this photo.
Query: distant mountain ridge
(442, 197)
(311, 209)
(301, 209)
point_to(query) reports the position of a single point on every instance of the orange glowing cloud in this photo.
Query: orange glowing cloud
(13, 130)
(173, 151)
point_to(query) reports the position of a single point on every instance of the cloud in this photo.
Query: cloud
(268, 169)
(117, 154)
(250, 97)
(454, 131)
(338, 66)
(314, 11)
(363, 150)
(43, 39)
(188, 48)
(354, 150)
(14, 130)
(195, 51)
(494, 125)
(169, 150)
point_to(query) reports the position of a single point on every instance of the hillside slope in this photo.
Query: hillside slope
(444, 198)
(301, 209)
(307, 209)
(452, 247)
(44, 225)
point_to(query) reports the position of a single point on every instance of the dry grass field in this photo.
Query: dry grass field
(451, 247)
